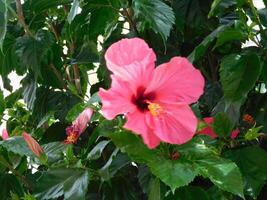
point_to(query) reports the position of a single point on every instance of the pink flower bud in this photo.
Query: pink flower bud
(33, 144)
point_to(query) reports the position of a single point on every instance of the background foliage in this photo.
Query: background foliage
(58, 45)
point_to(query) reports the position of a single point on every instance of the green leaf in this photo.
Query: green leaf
(220, 5)
(201, 49)
(156, 14)
(115, 162)
(230, 34)
(223, 173)
(17, 145)
(252, 162)
(96, 152)
(222, 125)
(32, 51)
(54, 151)
(10, 183)
(29, 91)
(263, 16)
(8, 58)
(3, 21)
(238, 75)
(253, 133)
(87, 54)
(154, 189)
(173, 174)
(2, 104)
(72, 183)
(189, 193)
(73, 11)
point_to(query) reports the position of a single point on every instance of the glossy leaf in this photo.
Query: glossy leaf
(158, 15)
(251, 161)
(17, 145)
(222, 125)
(238, 74)
(72, 183)
(96, 152)
(3, 21)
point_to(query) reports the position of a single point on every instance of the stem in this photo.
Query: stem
(21, 18)
(76, 72)
(128, 16)
(4, 162)
(58, 75)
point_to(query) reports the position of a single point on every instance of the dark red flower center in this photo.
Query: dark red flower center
(141, 99)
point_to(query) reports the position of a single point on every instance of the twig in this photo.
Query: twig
(126, 14)
(21, 18)
(58, 75)
(4, 162)
(76, 71)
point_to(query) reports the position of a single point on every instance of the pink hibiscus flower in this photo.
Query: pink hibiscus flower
(155, 101)
(78, 126)
(5, 135)
(210, 132)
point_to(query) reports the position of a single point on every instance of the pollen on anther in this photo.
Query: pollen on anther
(155, 109)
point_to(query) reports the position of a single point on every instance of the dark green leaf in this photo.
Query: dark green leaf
(154, 189)
(54, 151)
(201, 49)
(31, 50)
(231, 34)
(17, 145)
(3, 21)
(10, 183)
(220, 5)
(223, 173)
(29, 91)
(252, 162)
(87, 54)
(238, 74)
(2, 104)
(158, 15)
(72, 183)
(222, 125)
(96, 152)
(189, 193)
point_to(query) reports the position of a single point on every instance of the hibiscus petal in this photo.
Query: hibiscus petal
(176, 125)
(127, 51)
(136, 122)
(177, 80)
(235, 133)
(82, 120)
(5, 135)
(117, 100)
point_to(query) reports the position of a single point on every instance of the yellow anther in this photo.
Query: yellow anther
(72, 138)
(155, 109)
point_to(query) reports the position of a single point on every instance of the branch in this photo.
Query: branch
(76, 71)
(128, 16)
(4, 162)
(58, 75)
(21, 18)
